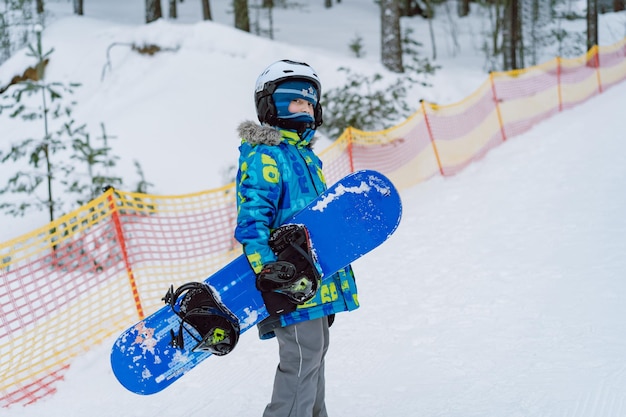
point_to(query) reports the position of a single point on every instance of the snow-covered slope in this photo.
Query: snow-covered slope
(501, 294)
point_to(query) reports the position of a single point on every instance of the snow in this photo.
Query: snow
(339, 191)
(501, 294)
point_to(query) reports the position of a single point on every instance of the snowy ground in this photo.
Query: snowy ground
(504, 285)
(505, 297)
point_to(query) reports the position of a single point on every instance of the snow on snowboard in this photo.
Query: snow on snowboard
(348, 220)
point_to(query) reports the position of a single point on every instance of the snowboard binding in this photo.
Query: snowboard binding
(295, 274)
(217, 327)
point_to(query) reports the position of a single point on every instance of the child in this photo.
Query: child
(279, 174)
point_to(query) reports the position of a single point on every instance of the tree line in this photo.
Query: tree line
(518, 29)
(519, 26)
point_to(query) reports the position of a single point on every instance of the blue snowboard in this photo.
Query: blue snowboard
(351, 218)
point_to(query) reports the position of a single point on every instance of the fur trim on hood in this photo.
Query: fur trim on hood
(256, 134)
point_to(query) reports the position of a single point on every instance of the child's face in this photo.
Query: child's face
(301, 105)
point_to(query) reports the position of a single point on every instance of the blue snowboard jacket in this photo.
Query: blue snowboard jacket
(279, 174)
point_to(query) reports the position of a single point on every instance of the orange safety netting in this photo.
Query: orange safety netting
(94, 272)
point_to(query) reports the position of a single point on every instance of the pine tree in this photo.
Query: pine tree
(54, 112)
(51, 180)
(374, 102)
(90, 184)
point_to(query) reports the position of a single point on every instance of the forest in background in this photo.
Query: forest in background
(517, 30)
(516, 34)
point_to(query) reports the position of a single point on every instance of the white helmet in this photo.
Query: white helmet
(273, 75)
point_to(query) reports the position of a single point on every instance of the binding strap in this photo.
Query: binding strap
(218, 328)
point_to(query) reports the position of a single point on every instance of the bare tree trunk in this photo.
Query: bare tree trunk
(618, 5)
(328, 3)
(410, 8)
(40, 7)
(78, 7)
(463, 8)
(510, 35)
(242, 19)
(269, 5)
(430, 13)
(592, 23)
(391, 37)
(270, 21)
(173, 11)
(153, 10)
(206, 10)
(454, 31)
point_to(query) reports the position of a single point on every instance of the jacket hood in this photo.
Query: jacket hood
(256, 134)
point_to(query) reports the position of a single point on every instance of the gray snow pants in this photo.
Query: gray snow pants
(299, 382)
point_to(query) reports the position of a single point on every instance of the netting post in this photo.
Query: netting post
(497, 104)
(432, 138)
(597, 63)
(350, 153)
(119, 233)
(558, 81)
